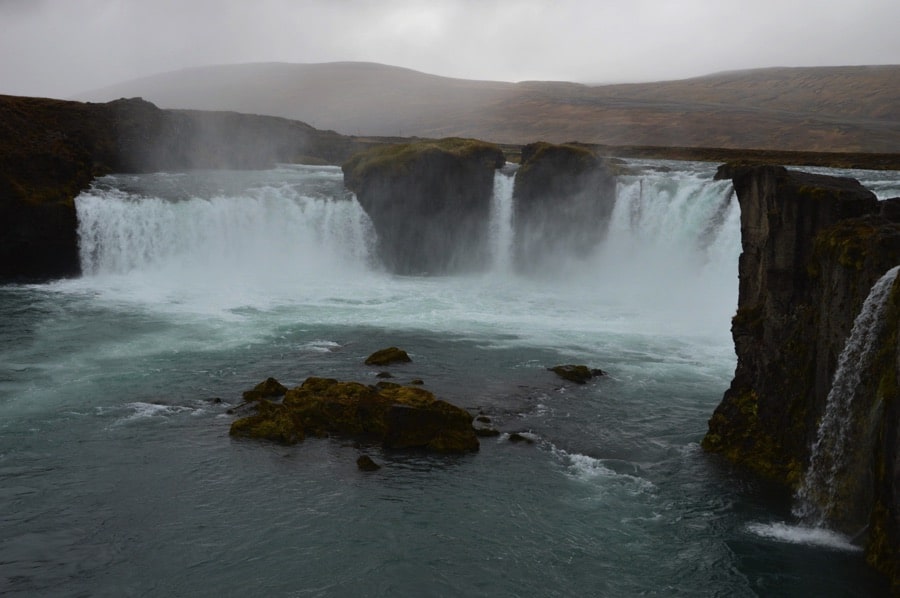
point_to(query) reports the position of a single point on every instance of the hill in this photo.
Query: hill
(822, 109)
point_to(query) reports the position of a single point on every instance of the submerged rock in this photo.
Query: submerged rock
(399, 416)
(578, 374)
(388, 356)
(365, 463)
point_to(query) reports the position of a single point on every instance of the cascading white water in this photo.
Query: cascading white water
(265, 233)
(220, 238)
(501, 226)
(830, 460)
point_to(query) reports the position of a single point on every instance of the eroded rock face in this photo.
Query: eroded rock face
(401, 417)
(429, 202)
(564, 196)
(813, 246)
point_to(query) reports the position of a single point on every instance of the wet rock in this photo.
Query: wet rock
(429, 202)
(388, 356)
(487, 432)
(517, 437)
(365, 463)
(399, 416)
(384, 375)
(578, 374)
(267, 389)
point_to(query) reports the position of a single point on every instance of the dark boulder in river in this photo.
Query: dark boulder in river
(430, 202)
(401, 417)
(813, 249)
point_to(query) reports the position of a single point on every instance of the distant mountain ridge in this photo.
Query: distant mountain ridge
(826, 109)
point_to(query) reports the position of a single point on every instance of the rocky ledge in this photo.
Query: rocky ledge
(399, 417)
(813, 246)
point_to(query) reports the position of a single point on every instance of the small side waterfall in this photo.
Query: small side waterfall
(828, 485)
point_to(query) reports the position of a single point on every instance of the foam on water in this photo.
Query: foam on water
(799, 534)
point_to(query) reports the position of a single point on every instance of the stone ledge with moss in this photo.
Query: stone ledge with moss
(812, 247)
(429, 202)
(400, 417)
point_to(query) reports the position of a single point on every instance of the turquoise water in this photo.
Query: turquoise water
(118, 477)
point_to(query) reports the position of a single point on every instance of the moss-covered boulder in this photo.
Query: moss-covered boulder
(429, 202)
(400, 417)
(388, 356)
(579, 374)
(564, 196)
(267, 389)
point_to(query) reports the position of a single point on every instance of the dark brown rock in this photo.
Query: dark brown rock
(268, 388)
(399, 416)
(579, 374)
(388, 356)
(365, 463)
(564, 196)
(429, 202)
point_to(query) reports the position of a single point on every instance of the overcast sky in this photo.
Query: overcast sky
(59, 48)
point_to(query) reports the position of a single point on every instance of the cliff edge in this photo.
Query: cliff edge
(813, 246)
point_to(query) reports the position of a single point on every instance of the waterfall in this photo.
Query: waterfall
(825, 485)
(501, 223)
(263, 233)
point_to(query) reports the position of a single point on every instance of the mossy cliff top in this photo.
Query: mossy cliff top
(813, 246)
(403, 159)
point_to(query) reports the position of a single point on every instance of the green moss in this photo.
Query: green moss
(850, 241)
(324, 406)
(400, 159)
(736, 432)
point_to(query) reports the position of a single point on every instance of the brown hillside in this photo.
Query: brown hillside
(830, 109)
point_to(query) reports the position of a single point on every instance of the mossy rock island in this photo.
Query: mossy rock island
(564, 197)
(400, 417)
(429, 201)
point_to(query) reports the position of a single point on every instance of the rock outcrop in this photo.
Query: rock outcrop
(564, 196)
(429, 202)
(813, 246)
(50, 150)
(400, 417)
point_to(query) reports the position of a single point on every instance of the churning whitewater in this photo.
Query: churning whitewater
(121, 479)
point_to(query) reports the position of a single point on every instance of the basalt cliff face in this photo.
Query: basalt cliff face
(50, 150)
(813, 246)
(428, 201)
(564, 196)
